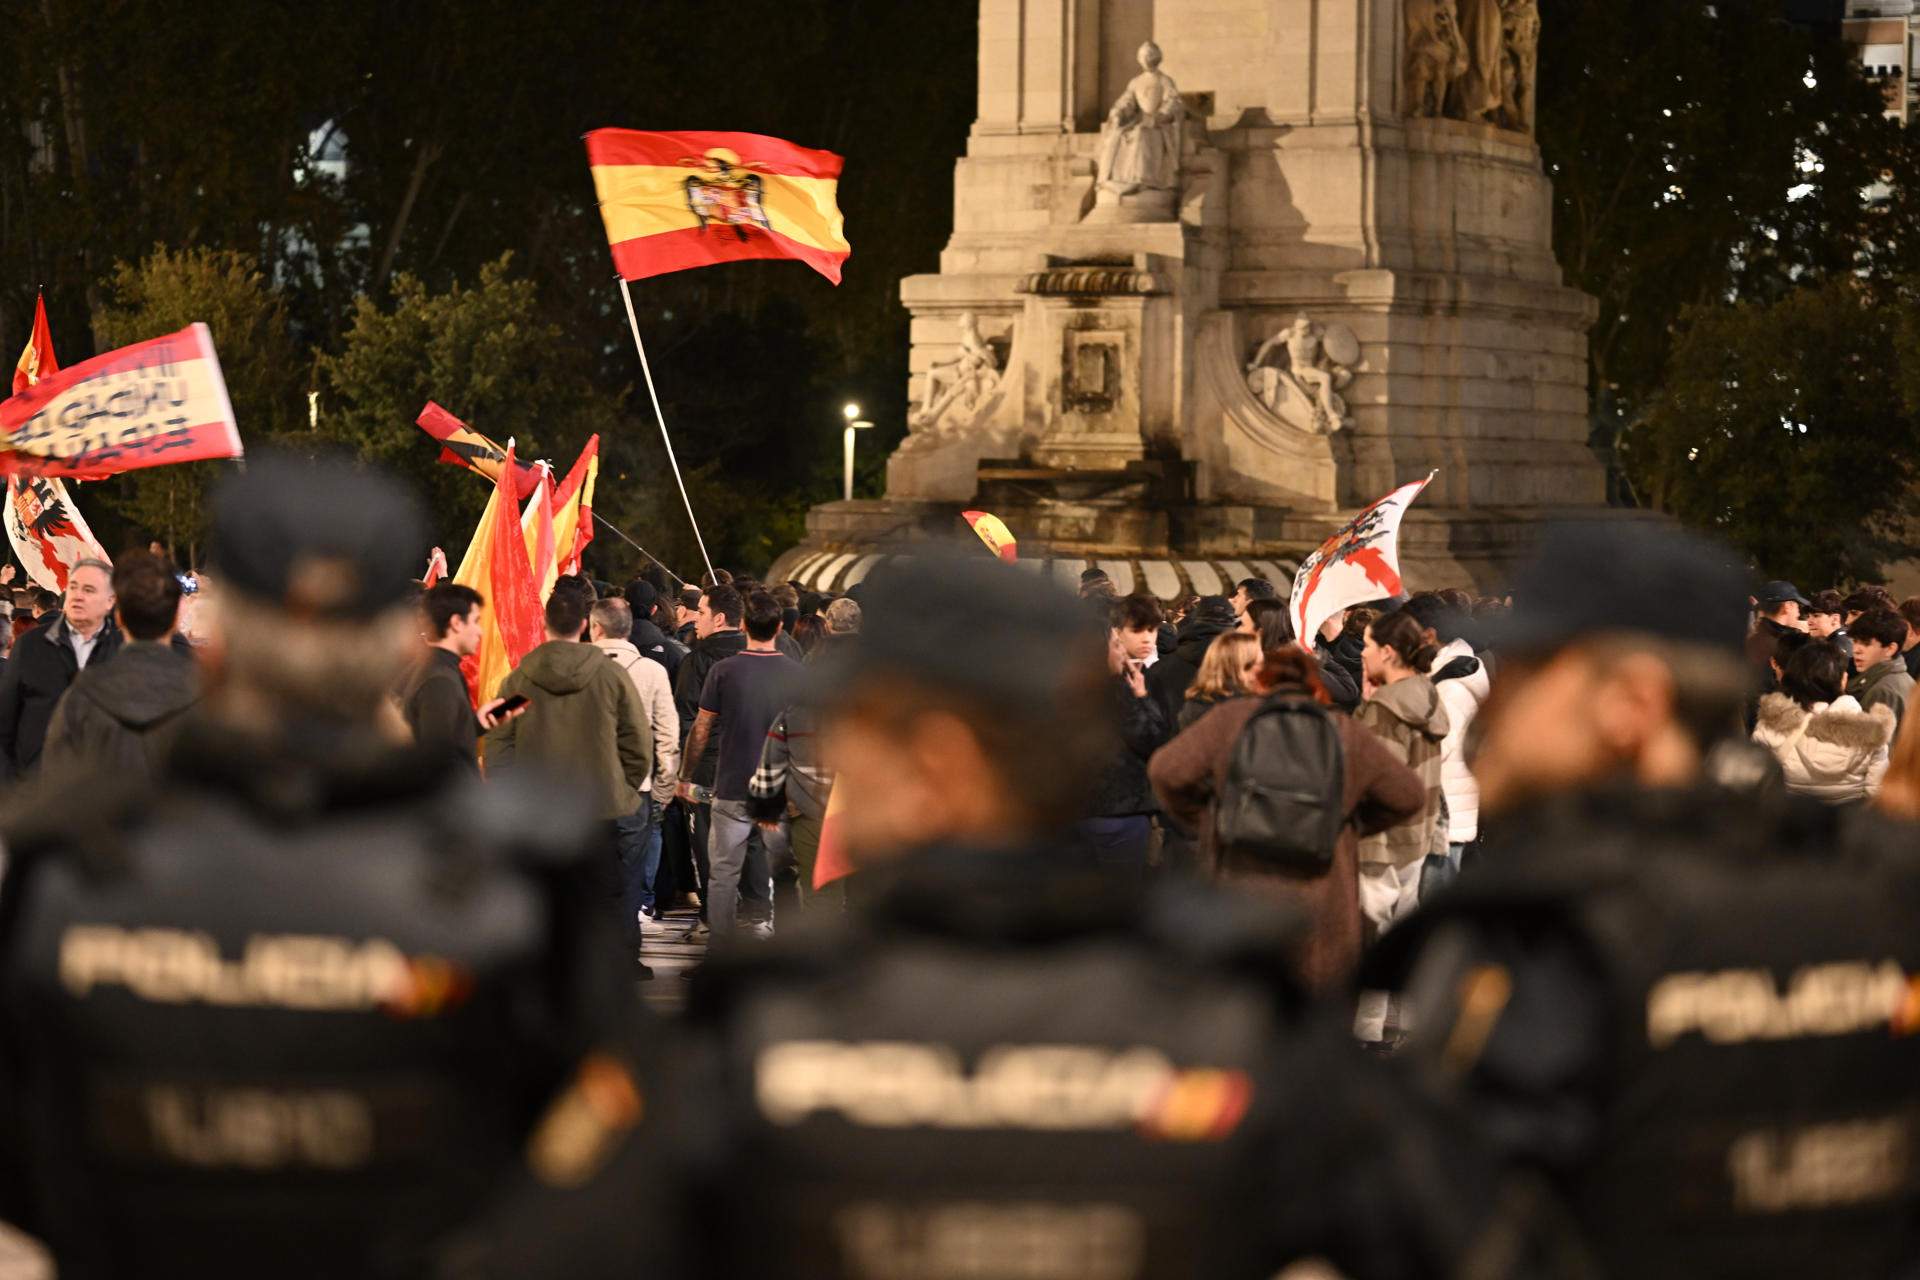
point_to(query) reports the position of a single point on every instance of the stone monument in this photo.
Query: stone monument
(1223, 270)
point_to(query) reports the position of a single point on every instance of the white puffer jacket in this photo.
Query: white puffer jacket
(1835, 752)
(1461, 696)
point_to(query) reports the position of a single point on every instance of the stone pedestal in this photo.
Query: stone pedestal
(1316, 196)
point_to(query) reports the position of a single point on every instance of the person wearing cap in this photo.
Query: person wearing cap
(1168, 678)
(308, 1001)
(1006, 1052)
(647, 637)
(1640, 992)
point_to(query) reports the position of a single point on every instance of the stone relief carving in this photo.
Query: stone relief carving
(1473, 60)
(962, 383)
(1140, 141)
(1299, 372)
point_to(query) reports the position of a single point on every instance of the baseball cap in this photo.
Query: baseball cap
(979, 628)
(641, 597)
(1585, 575)
(317, 537)
(1777, 592)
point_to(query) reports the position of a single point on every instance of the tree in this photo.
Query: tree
(1700, 154)
(1789, 427)
(489, 355)
(168, 291)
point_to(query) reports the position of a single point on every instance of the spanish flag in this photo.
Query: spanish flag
(677, 200)
(37, 361)
(496, 565)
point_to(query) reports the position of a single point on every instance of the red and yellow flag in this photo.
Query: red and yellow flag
(496, 566)
(37, 361)
(573, 508)
(677, 200)
(993, 531)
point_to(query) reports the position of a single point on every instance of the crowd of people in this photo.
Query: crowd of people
(1533, 935)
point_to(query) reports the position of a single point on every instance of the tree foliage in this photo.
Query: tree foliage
(1789, 427)
(487, 354)
(349, 147)
(264, 370)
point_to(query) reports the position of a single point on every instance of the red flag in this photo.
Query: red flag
(831, 863)
(573, 507)
(515, 600)
(37, 361)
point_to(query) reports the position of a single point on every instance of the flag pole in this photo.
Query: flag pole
(626, 292)
(622, 534)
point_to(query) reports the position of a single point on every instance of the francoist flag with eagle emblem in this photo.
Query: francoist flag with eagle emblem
(677, 200)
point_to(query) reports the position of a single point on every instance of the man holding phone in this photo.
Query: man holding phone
(434, 699)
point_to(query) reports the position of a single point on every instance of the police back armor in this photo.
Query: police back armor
(1006, 1067)
(297, 1018)
(1703, 1027)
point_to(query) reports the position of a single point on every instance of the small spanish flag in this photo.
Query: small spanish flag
(677, 200)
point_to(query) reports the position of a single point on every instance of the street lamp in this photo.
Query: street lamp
(854, 423)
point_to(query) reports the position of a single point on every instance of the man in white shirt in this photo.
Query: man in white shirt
(610, 627)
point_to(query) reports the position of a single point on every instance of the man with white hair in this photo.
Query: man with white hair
(47, 659)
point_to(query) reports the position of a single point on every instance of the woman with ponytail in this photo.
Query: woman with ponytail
(1405, 712)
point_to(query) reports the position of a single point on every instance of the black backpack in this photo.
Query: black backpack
(1283, 799)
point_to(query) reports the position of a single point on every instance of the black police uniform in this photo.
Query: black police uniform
(1697, 1019)
(1011, 1065)
(311, 1007)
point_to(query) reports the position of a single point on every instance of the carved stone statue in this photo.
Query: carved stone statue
(1520, 31)
(1140, 142)
(1436, 55)
(1479, 94)
(963, 382)
(1299, 372)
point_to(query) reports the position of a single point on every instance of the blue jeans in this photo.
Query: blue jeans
(639, 841)
(1118, 844)
(1439, 872)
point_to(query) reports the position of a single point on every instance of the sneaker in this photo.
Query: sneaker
(697, 933)
(642, 972)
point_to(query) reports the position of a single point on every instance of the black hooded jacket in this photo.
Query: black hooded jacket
(1167, 679)
(119, 717)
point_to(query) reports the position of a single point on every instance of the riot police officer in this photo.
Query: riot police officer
(1681, 1003)
(1011, 1062)
(313, 1003)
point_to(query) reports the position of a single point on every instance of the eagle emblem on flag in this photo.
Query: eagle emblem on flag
(726, 192)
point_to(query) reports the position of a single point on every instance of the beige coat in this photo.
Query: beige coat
(656, 700)
(1409, 718)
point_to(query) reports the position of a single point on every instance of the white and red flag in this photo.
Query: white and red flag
(47, 531)
(1357, 564)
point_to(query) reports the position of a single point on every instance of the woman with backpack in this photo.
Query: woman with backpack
(1406, 714)
(1201, 771)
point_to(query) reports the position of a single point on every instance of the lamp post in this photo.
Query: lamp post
(854, 423)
